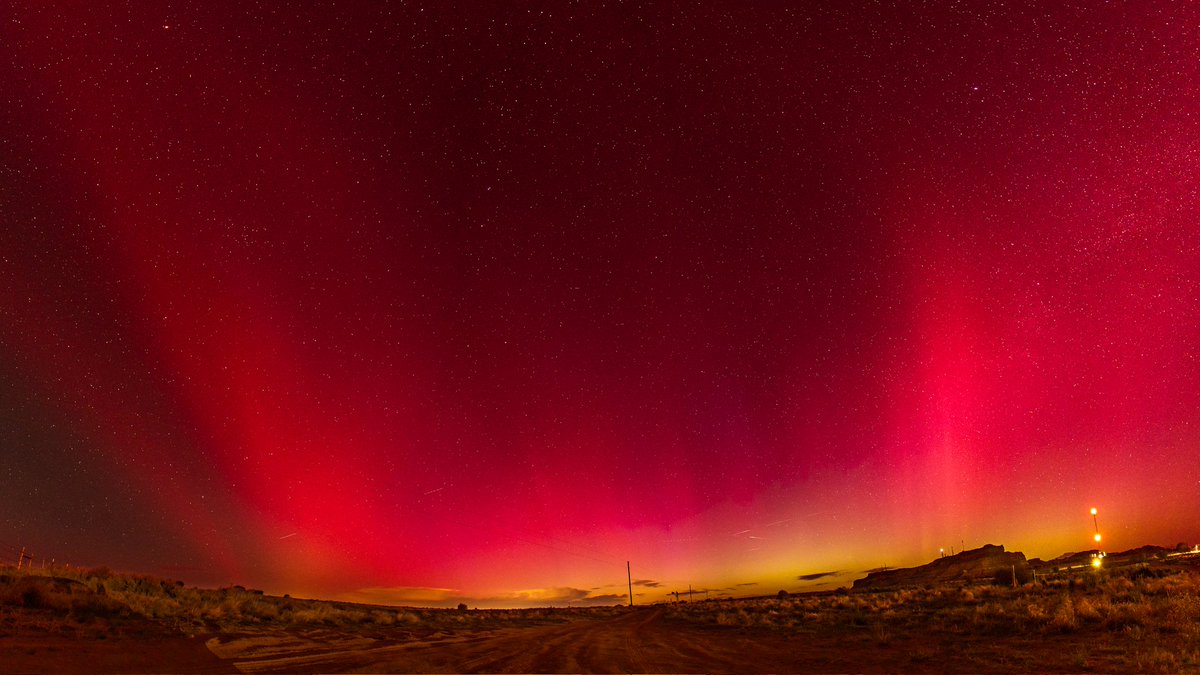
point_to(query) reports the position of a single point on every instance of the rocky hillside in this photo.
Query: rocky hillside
(1142, 554)
(975, 565)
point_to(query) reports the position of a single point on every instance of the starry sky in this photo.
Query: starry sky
(425, 302)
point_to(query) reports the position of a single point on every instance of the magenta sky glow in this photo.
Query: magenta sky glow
(425, 303)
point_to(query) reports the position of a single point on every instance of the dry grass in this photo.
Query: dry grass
(1148, 620)
(1131, 620)
(70, 596)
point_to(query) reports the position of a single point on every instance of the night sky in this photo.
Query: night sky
(410, 302)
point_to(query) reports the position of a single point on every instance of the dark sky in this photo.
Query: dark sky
(421, 302)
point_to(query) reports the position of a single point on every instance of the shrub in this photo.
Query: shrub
(1036, 612)
(33, 597)
(1064, 616)
(727, 619)
(314, 614)
(260, 609)
(381, 618)
(1086, 610)
(1004, 577)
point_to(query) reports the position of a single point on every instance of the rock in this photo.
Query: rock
(1141, 554)
(980, 564)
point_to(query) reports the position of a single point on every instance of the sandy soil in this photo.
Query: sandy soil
(646, 641)
(640, 641)
(132, 647)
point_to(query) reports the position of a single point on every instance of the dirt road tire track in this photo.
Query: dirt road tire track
(640, 641)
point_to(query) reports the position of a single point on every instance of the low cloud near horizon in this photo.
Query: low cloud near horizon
(403, 595)
(818, 575)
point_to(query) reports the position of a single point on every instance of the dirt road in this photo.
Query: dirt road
(639, 641)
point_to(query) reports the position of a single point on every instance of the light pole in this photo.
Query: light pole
(1096, 523)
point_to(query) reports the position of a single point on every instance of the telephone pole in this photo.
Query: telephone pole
(629, 577)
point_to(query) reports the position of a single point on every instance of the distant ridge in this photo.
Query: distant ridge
(1133, 556)
(990, 560)
(982, 563)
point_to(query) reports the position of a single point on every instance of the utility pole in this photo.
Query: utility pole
(689, 592)
(21, 558)
(629, 577)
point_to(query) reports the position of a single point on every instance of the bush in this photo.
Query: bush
(381, 618)
(33, 597)
(1064, 617)
(1004, 577)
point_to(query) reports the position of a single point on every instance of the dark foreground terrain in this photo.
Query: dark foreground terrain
(1144, 618)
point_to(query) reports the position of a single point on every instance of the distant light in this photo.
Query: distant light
(1097, 536)
(1095, 562)
(1093, 510)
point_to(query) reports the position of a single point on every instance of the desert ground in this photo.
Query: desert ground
(1143, 618)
